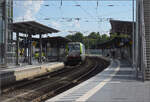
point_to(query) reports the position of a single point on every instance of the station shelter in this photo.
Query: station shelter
(29, 29)
(121, 47)
(53, 48)
(121, 44)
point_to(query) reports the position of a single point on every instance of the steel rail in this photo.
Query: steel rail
(62, 88)
(58, 85)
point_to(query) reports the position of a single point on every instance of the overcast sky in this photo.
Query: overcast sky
(71, 16)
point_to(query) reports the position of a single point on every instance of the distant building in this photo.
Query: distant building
(6, 17)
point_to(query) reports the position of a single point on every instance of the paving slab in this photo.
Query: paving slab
(117, 83)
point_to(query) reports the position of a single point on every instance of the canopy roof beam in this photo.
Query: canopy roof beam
(32, 27)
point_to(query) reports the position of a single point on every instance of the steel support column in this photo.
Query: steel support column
(17, 48)
(46, 57)
(30, 36)
(136, 41)
(133, 38)
(40, 60)
(6, 33)
(58, 50)
(30, 49)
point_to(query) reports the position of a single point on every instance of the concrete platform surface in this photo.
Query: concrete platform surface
(17, 73)
(22, 67)
(117, 83)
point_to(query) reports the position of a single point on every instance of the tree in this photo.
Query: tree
(105, 37)
(94, 35)
(77, 37)
(69, 37)
(90, 41)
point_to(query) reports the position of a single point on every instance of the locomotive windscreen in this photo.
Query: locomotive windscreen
(74, 47)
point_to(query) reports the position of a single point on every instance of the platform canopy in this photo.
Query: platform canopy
(32, 27)
(122, 27)
(114, 43)
(124, 30)
(52, 40)
(56, 39)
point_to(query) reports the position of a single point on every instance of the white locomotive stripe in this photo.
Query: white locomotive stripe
(86, 96)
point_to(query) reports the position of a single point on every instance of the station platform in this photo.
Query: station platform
(116, 83)
(18, 73)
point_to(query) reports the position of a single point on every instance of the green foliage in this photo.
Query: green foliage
(78, 37)
(120, 36)
(94, 35)
(89, 41)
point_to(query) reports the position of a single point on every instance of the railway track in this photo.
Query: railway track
(47, 86)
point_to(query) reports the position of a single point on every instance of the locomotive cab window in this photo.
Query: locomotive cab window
(72, 47)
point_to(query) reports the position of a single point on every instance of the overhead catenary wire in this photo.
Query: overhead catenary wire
(97, 4)
(84, 10)
(99, 24)
(76, 0)
(57, 5)
(96, 19)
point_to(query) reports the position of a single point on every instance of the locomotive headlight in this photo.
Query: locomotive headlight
(67, 55)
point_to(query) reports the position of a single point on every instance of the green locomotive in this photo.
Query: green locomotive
(75, 53)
